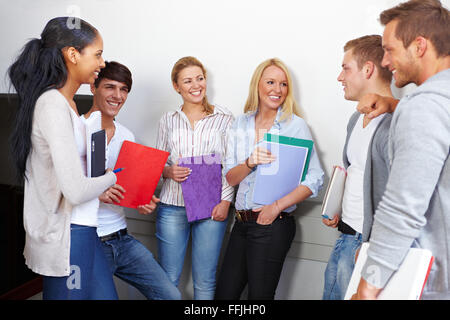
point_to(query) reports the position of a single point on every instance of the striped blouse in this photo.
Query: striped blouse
(176, 136)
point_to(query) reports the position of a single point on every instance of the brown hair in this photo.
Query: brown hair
(117, 72)
(426, 18)
(188, 62)
(369, 48)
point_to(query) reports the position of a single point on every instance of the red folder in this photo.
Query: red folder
(142, 168)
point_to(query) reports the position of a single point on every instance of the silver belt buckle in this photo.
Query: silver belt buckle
(238, 215)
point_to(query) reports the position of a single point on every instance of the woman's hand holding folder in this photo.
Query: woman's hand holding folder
(260, 156)
(176, 173)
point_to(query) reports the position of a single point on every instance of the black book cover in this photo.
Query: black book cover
(98, 153)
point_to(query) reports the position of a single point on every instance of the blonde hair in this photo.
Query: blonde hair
(289, 105)
(189, 62)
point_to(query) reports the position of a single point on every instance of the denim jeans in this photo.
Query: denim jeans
(132, 262)
(340, 266)
(173, 231)
(90, 278)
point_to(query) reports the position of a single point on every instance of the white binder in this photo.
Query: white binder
(332, 203)
(406, 283)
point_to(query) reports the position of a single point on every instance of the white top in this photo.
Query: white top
(357, 148)
(85, 213)
(111, 217)
(209, 135)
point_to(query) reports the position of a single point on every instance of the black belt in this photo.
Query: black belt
(114, 235)
(250, 215)
(345, 228)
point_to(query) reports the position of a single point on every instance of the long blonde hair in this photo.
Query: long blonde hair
(188, 62)
(289, 106)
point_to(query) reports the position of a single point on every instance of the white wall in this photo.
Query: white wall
(231, 38)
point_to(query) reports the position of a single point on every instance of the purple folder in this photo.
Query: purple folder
(202, 190)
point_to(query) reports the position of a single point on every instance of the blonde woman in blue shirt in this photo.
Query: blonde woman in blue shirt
(262, 235)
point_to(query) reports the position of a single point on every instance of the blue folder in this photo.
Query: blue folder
(281, 177)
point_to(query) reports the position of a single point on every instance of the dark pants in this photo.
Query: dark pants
(255, 256)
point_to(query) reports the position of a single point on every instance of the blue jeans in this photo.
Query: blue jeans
(90, 278)
(132, 262)
(340, 266)
(173, 231)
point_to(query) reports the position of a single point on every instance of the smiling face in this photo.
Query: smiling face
(89, 61)
(272, 88)
(351, 77)
(398, 59)
(191, 84)
(109, 97)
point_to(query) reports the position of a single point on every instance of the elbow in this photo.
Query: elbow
(75, 198)
(308, 191)
(232, 182)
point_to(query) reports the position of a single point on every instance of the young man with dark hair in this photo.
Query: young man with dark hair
(415, 208)
(128, 258)
(365, 159)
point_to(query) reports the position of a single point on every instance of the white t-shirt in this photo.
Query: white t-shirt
(357, 149)
(111, 218)
(85, 213)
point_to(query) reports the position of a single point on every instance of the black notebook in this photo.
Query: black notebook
(98, 153)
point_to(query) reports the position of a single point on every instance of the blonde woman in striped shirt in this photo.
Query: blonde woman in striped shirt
(194, 129)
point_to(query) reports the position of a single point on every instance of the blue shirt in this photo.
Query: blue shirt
(240, 146)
